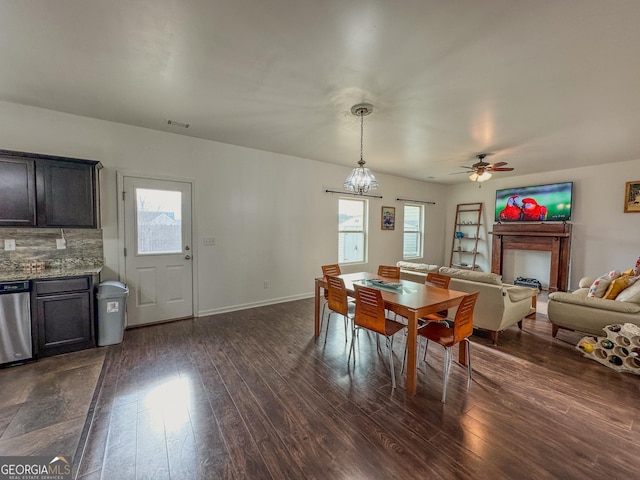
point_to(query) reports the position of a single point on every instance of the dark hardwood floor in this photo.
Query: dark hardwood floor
(252, 395)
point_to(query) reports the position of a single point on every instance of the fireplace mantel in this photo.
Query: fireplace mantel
(546, 237)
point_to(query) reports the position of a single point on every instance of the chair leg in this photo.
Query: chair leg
(352, 347)
(324, 306)
(447, 368)
(466, 340)
(345, 329)
(326, 332)
(393, 373)
(426, 345)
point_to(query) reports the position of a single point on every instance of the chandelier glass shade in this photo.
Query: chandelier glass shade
(361, 180)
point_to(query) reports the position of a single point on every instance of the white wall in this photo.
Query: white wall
(268, 212)
(604, 237)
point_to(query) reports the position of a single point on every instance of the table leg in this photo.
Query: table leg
(412, 342)
(462, 352)
(317, 311)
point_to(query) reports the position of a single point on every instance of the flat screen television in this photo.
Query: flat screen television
(537, 203)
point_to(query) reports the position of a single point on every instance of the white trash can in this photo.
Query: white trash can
(112, 301)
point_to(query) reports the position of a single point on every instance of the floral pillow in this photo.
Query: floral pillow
(601, 284)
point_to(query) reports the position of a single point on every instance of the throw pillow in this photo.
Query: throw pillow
(630, 294)
(599, 287)
(637, 270)
(618, 285)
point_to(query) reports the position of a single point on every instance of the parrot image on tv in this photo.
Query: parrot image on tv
(531, 211)
(512, 212)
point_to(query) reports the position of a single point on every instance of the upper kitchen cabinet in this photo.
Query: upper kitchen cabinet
(17, 192)
(48, 191)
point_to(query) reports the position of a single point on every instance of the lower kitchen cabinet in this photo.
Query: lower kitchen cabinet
(63, 315)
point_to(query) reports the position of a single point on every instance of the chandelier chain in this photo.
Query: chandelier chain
(361, 132)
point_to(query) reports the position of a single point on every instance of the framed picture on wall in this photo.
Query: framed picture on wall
(388, 218)
(632, 197)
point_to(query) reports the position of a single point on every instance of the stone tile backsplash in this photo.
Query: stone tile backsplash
(84, 247)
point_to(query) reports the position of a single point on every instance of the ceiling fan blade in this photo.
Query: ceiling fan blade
(501, 169)
(456, 173)
(464, 166)
(499, 164)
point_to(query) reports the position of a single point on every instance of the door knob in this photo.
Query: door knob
(188, 257)
(187, 247)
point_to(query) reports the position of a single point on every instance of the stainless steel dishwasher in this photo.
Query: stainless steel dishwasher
(15, 322)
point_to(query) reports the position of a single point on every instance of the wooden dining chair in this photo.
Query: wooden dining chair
(440, 281)
(370, 315)
(449, 336)
(334, 270)
(338, 303)
(389, 271)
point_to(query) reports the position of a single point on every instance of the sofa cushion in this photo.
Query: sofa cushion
(520, 293)
(585, 282)
(417, 267)
(481, 277)
(600, 303)
(630, 294)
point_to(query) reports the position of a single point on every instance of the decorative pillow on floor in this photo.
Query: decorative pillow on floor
(618, 350)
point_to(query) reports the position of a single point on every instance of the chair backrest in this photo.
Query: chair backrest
(370, 309)
(389, 271)
(331, 270)
(337, 297)
(463, 323)
(437, 280)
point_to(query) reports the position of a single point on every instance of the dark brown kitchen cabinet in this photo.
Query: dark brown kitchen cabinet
(63, 315)
(48, 191)
(17, 192)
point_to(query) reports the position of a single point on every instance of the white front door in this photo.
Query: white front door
(158, 255)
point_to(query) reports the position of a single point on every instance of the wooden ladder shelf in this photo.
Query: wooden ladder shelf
(466, 233)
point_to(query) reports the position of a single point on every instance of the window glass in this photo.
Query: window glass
(159, 221)
(351, 230)
(413, 231)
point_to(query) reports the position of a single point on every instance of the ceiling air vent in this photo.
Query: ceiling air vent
(177, 124)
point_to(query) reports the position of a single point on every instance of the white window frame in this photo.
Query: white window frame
(419, 231)
(363, 231)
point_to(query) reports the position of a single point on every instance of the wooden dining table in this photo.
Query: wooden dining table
(412, 300)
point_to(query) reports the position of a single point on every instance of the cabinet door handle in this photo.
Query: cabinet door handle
(188, 257)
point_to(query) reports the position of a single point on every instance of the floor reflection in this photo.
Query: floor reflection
(169, 403)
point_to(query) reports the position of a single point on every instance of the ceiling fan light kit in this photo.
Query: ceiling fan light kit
(480, 177)
(361, 180)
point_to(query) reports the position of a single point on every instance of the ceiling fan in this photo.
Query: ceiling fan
(481, 170)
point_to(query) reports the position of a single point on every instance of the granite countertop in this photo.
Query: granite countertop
(15, 275)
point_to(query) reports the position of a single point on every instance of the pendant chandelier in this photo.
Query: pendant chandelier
(361, 180)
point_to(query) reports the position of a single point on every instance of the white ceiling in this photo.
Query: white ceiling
(544, 84)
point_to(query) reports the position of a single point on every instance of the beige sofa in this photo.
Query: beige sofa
(416, 272)
(576, 311)
(499, 305)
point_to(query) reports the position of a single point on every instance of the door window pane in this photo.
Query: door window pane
(159, 221)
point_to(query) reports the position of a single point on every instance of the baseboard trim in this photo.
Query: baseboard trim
(246, 306)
